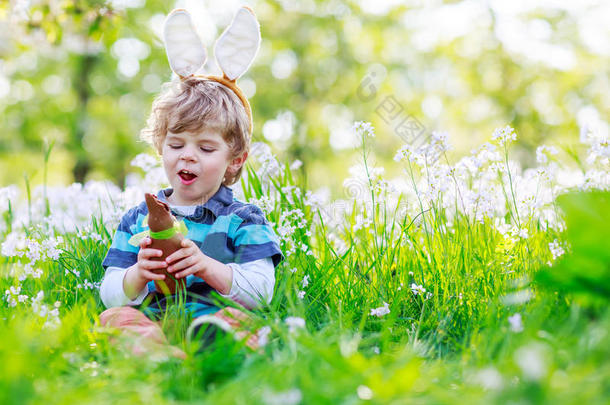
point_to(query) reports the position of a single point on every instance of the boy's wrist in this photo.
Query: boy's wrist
(217, 274)
(133, 282)
(204, 272)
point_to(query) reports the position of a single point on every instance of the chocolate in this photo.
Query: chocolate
(161, 219)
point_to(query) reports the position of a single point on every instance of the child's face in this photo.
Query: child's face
(195, 164)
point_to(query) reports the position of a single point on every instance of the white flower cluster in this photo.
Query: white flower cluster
(289, 397)
(18, 245)
(304, 284)
(381, 311)
(265, 203)
(269, 167)
(486, 186)
(145, 162)
(516, 324)
(503, 136)
(599, 146)
(543, 151)
(420, 290)
(13, 297)
(364, 129)
(294, 323)
(88, 285)
(417, 289)
(556, 249)
(289, 222)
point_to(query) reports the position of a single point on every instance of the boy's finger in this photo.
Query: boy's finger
(153, 276)
(185, 273)
(177, 255)
(154, 264)
(152, 252)
(181, 265)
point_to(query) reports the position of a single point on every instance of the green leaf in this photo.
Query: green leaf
(585, 272)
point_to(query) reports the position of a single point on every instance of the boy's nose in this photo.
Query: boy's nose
(187, 154)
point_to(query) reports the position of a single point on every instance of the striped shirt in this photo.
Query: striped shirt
(224, 228)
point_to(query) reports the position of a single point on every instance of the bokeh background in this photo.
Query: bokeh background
(80, 76)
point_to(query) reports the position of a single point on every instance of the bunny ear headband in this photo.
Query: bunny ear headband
(235, 49)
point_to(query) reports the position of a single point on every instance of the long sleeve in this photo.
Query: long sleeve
(111, 289)
(253, 282)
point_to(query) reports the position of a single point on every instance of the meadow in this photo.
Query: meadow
(467, 281)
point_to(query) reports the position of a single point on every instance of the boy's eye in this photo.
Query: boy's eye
(175, 146)
(207, 149)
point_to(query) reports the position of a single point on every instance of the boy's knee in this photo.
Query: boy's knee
(133, 323)
(118, 316)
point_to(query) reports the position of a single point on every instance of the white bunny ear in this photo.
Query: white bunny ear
(237, 46)
(184, 48)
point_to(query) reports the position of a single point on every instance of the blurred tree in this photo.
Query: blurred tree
(84, 73)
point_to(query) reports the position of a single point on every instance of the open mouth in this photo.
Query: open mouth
(186, 176)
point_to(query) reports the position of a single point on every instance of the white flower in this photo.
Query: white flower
(7, 194)
(404, 152)
(531, 359)
(520, 232)
(364, 392)
(515, 323)
(296, 165)
(301, 294)
(294, 323)
(556, 249)
(263, 335)
(504, 135)
(440, 141)
(489, 378)
(381, 311)
(269, 166)
(541, 153)
(517, 297)
(34, 251)
(13, 245)
(145, 162)
(38, 298)
(289, 397)
(417, 289)
(364, 129)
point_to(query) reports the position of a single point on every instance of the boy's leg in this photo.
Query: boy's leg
(148, 334)
(240, 322)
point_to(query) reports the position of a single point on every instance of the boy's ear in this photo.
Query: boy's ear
(184, 48)
(237, 46)
(237, 162)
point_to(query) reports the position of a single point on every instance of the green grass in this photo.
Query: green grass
(452, 343)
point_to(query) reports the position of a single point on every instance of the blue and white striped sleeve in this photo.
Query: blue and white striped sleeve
(255, 239)
(121, 253)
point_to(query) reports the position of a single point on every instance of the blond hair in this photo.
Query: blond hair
(194, 104)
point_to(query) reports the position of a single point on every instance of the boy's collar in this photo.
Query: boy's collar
(222, 198)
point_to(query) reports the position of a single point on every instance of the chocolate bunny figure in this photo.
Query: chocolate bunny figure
(165, 236)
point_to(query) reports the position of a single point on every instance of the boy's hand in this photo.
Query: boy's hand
(141, 272)
(145, 265)
(187, 260)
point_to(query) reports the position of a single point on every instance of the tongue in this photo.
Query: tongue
(187, 176)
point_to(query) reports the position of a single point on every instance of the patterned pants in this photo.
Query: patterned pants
(146, 335)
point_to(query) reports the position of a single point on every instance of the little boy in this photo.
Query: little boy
(201, 128)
